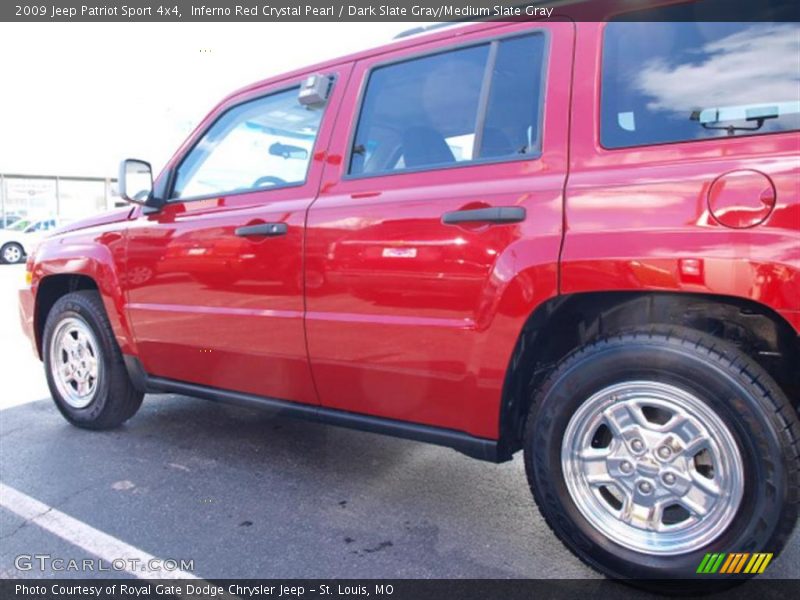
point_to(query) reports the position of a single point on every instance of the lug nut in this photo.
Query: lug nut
(664, 452)
(626, 467)
(645, 487)
(637, 445)
(669, 478)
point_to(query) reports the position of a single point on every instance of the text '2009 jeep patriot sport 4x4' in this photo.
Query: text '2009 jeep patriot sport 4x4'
(556, 237)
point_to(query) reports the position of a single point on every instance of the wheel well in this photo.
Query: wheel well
(50, 289)
(567, 322)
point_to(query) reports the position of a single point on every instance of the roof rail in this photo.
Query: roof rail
(426, 29)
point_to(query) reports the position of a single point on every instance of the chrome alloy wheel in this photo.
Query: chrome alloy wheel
(75, 362)
(652, 467)
(12, 253)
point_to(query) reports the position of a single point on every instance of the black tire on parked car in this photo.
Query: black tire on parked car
(648, 449)
(83, 363)
(12, 253)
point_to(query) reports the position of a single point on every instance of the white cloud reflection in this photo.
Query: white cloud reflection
(757, 63)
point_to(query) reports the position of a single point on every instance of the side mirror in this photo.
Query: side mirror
(136, 182)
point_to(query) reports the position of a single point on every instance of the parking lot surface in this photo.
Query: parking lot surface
(245, 494)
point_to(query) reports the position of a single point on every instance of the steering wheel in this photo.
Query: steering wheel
(268, 180)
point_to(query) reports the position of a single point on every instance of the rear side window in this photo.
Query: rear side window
(472, 104)
(668, 82)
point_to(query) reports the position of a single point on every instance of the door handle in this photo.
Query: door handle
(262, 229)
(495, 214)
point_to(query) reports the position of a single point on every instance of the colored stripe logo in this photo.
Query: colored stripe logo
(734, 563)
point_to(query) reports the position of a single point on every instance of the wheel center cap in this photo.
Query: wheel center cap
(647, 467)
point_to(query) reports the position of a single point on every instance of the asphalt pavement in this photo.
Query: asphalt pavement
(242, 493)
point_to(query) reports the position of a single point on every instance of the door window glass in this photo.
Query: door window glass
(512, 117)
(260, 144)
(477, 103)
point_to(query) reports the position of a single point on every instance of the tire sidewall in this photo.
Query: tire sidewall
(69, 307)
(728, 395)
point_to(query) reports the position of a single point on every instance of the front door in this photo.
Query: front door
(214, 285)
(446, 157)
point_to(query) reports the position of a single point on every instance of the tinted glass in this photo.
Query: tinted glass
(670, 82)
(420, 112)
(425, 112)
(512, 119)
(263, 143)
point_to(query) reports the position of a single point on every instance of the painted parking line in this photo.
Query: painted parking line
(98, 543)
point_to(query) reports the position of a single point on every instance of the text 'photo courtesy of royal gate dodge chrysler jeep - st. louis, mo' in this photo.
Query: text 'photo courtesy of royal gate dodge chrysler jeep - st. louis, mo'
(550, 236)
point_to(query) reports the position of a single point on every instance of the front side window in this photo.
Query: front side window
(680, 81)
(477, 103)
(259, 144)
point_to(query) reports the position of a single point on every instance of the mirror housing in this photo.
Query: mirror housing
(136, 183)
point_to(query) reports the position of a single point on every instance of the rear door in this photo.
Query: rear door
(445, 154)
(214, 280)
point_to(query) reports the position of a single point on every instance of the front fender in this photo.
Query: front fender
(98, 255)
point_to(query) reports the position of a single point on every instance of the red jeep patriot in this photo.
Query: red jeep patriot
(578, 240)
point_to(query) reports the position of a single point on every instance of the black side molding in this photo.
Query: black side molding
(480, 448)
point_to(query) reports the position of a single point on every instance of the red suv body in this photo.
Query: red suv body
(430, 282)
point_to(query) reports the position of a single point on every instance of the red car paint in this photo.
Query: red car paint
(633, 214)
(334, 313)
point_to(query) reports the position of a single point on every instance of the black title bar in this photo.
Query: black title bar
(382, 589)
(395, 10)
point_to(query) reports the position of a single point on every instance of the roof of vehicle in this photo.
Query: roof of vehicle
(444, 33)
(423, 34)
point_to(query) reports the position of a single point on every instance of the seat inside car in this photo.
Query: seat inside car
(425, 146)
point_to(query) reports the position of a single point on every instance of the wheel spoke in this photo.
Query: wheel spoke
(70, 343)
(594, 466)
(698, 501)
(626, 512)
(690, 436)
(706, 485)
(655, 517)
(621, 419)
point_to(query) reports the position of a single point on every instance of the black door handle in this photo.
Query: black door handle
(495, 214)
(265, 229)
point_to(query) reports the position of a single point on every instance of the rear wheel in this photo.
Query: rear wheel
(12, 253)
(647, 450)
(84, 366)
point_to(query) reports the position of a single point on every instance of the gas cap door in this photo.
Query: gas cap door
(742, 198)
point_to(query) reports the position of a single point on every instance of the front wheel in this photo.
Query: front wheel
(84, 366)
(649, 450)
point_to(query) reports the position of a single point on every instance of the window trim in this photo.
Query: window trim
(172, 180)
(482, 106)
(611, 149)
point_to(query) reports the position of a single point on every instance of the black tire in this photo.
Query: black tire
(116, 399)
(761, 420)
(12, 246)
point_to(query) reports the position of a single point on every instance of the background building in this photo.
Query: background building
(52, 196)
